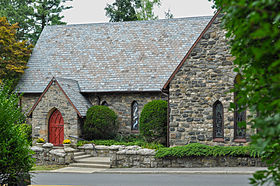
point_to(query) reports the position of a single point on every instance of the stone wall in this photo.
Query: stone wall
(121, 104)
(135, 156)
(27, 101)
(54, 99)
(205, 77)
(47, 155)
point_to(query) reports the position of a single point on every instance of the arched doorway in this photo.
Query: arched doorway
(56, 128)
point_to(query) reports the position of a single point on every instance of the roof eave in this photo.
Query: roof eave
(190, 50)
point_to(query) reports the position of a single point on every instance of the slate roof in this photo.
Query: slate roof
(72, 90)
(112, 57)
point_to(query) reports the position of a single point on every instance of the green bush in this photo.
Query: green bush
(15, 154)
(101, 123)
(196, 149)
(26, 130)
(153, 121)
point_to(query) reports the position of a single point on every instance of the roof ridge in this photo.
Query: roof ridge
(126, 22)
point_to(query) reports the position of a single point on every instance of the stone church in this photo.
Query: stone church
(124, 65)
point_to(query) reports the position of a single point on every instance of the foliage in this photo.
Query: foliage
(26, 130)
(15, 155)
(121, 10)
(14, 54)
(66, 141)
(40, 140)
(168, 14)
(131, 10)
(101, 123)
(140, 143)
(19, 11)
(153, 121)
(145, 9)
(196, 149)
(253, 27)
(32, 15)
(47, 12)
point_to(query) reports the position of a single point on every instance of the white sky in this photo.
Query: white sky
(92, 11)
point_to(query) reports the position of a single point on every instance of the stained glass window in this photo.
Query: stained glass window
(218, 120)
(239, 114)
(104, 103)
(134, 116)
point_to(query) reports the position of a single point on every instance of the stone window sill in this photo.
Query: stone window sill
(218, 140)
(135, 131)
(240, 140)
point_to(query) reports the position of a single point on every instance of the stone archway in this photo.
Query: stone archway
(56, 128)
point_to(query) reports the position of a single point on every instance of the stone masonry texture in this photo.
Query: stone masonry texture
(205, 77)
(120, 103)
(54, 99)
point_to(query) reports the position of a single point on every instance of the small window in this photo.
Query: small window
(239, 114)
(98, 100)
(104, 103)
(134, 116)
(218, 121)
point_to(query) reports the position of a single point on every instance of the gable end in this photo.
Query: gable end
(191, 49)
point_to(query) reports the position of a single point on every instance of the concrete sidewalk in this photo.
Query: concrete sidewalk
(210, 170)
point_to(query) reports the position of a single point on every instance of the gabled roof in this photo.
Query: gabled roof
(71, 90)
(189, 52)
(112, 57)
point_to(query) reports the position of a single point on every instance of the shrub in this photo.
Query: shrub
(153, 121)
(26, 130)
(101, 123)
(196, 149)
(15, 155)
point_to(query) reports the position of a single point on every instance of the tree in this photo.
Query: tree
(19, 11)
(14, 54)
(47, 12)
(253, 29)
(168, 14)
(121, 10)
(145, 9)
(15, 155)
(131, 10)
(32, 15)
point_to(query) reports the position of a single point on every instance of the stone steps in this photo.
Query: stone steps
(82, 157)
(89, 165)
(79, 153)
(83, 160)
(95, 160)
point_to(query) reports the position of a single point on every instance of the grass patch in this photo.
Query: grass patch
(140, 143)
(46, 167)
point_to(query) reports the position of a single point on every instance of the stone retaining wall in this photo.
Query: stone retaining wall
(47, 155)
(137, 157)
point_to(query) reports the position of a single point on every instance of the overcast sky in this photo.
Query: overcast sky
(92, 11)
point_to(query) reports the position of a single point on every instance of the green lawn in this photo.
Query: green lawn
(46, 167)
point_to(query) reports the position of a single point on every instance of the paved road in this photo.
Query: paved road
(100, 179)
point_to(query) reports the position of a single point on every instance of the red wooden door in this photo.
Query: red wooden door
(56, 128)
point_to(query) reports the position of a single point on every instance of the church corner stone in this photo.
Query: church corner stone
(205, 77)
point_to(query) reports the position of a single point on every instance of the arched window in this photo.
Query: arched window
(104, 103)
(134, 116)
(239, 116)
(218, 121)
